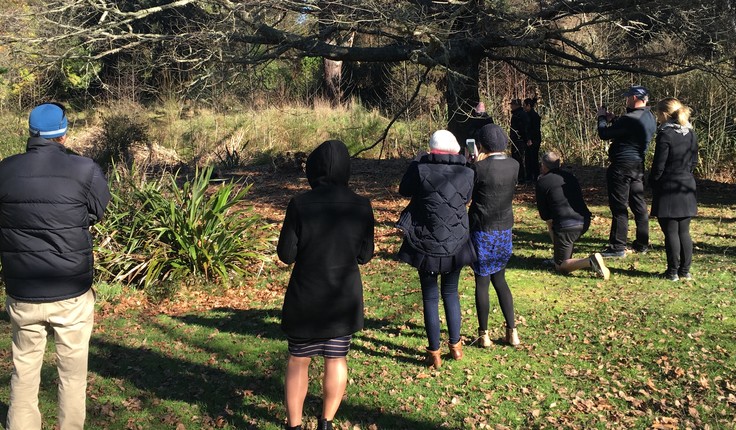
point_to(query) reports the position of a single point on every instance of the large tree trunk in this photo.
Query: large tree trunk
(462, 96)
(333, 73)
(462, 92)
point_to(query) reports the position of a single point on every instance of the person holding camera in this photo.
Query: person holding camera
(630, 135)
(436, 235)
(491, 219)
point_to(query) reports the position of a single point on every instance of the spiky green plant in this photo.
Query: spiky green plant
(158, 231)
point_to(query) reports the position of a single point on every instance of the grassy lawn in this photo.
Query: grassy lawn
(633, 352)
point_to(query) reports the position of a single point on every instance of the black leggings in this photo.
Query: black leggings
(482, 300)
(678, 244)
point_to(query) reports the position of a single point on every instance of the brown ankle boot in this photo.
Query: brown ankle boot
(512, 337)
(433, 360)
(456, 350)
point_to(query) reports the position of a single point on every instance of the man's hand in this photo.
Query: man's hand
(529, 142)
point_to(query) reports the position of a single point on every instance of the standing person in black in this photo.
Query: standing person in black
(673, 184)
(519, 134)
(436, 235)
(49, 199)
(327, 233)
(560, 202)
(491, 219)
(531, 157)
(631, 134)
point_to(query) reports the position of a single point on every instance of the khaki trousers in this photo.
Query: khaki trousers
(71, 322)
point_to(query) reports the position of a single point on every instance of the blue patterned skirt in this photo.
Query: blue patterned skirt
(494, 250)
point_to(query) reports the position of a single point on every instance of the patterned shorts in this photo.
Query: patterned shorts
(494, 250)
(328, 348)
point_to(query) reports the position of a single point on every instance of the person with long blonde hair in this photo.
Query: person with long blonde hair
(673, 184)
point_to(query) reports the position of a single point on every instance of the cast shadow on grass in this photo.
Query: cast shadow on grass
(218, 392)
(263, 324)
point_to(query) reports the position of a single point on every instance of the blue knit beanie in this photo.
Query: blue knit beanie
(47, 120)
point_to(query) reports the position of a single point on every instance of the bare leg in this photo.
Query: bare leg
(573, 264)
(336, 379)
(297, 383)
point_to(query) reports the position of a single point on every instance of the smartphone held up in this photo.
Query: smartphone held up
(471, 151)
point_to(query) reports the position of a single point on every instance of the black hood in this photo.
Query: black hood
(329, 164)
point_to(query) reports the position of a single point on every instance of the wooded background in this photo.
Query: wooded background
(409, 60)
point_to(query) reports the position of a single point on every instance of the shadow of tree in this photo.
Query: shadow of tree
(245, 397)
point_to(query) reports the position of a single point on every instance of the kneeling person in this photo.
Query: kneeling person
(560, 203)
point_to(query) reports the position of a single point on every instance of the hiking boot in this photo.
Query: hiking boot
(599, 267)
(613, 253)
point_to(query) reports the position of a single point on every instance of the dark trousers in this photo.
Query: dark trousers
(625, 183)
(518, 149)
(678, 244)
(531, 161)
(451, 301)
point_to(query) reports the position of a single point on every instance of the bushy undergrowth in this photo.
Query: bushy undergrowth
(158, 232)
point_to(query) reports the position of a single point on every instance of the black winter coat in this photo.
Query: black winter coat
(327, 232)
(560, 199)
(435, 223)
(535, 127)
(48, 200)
(671, 177)
(493, 193)
(519, 132)
(630, 133)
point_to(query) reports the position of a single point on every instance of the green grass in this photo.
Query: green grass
(633, 352)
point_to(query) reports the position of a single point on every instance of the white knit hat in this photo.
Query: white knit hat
(443, 140)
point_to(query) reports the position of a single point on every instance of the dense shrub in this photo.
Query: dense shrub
(120, 131)
(158, 233)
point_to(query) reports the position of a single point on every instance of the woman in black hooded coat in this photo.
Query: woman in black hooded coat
(327, 233)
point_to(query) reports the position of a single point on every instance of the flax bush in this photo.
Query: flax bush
(158, 232)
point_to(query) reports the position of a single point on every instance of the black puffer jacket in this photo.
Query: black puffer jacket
(436, 221)
(48, 200)
(327, 232)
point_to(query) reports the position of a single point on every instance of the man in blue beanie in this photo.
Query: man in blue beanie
(48, 201)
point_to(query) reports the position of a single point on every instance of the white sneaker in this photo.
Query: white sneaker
(599, 267)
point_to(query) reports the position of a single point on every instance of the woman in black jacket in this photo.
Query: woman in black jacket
(436, 236)
(327, 232)
(673, 185)
(491, 219)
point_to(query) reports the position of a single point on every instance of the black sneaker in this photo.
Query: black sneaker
(613, 253)
(670, 276)
(548, 262)
(686, 277)
(640, 249)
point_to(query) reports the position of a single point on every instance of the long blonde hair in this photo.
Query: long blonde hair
(671, 109)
